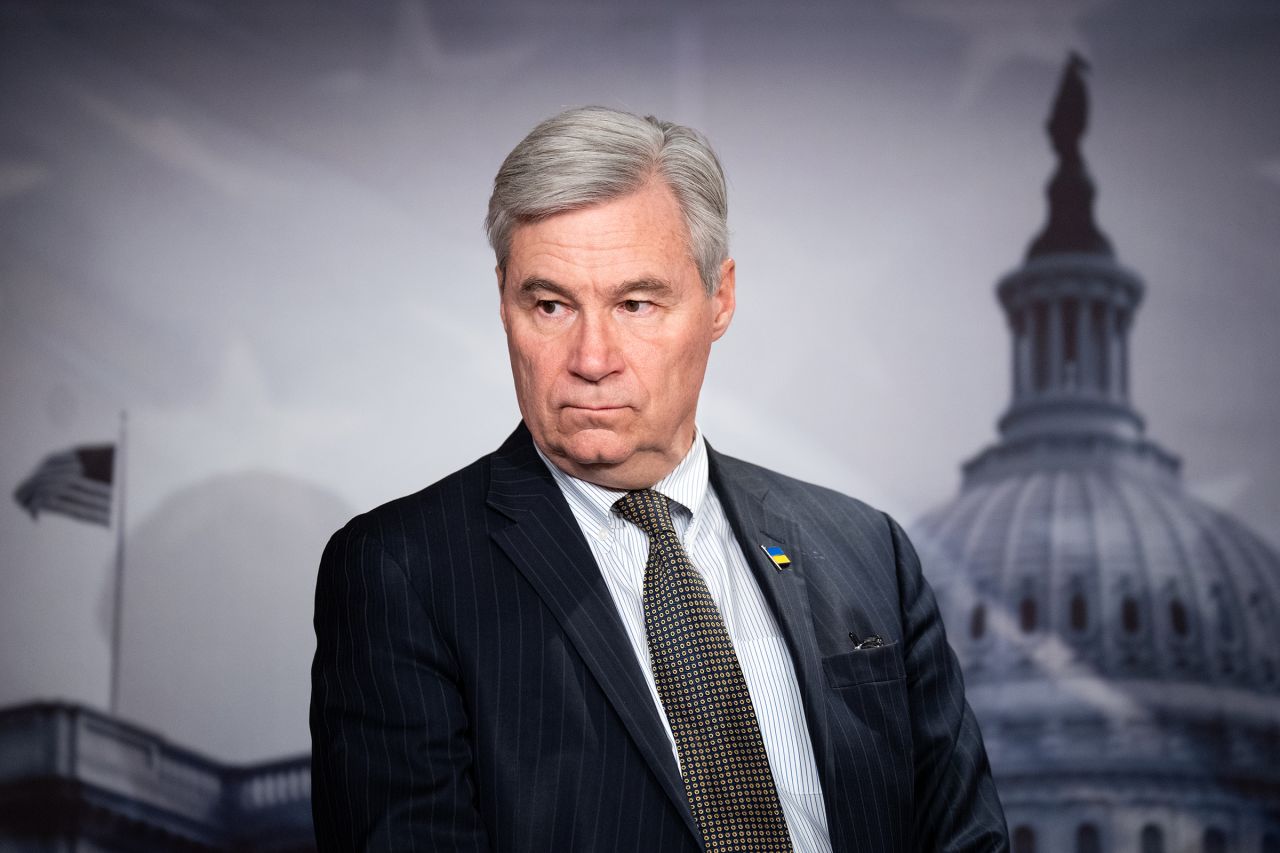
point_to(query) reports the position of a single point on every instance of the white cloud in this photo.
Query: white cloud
(418, 41)
(18, 177)
(1270, 169)
(1226, 491)
(240, 424)
(177, 146)
(1002, 31)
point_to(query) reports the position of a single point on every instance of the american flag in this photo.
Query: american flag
(76, 482)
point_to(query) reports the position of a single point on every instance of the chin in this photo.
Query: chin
(597, 447)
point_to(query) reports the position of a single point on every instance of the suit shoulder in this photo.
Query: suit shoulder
(415, 516)
(801, 495)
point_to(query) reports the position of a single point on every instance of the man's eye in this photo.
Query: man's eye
(634, 306)
(548, 306)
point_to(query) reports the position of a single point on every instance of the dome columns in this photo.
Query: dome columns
(1116, 330)
(1069, 317)
(1051, 373)
(1073, 344)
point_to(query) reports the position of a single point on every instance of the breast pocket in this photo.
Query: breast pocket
(864, 666)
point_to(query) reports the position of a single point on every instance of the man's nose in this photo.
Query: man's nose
(595, 352)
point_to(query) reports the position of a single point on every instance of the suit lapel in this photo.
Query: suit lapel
(547, 545)
(757, 521)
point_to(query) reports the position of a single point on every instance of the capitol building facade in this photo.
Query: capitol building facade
(1119, 637)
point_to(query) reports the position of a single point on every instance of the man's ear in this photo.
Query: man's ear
(502, 303)
(724, 300)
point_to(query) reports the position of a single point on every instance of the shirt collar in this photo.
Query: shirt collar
(686, 486)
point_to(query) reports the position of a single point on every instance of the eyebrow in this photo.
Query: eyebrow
(655, 286)
(529, 285)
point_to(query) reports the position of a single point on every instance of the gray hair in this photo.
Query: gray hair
(591, 155)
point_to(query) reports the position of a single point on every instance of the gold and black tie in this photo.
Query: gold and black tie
(722, 757)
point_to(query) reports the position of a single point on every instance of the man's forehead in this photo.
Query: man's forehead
(638, 236)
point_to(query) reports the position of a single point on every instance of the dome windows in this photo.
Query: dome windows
(1132, 629)
(1028, 614)
(1040, 343)
(1024, 840)
(1077, 604)
(1152, 839)
(1178, 620)
(1215, 840)
(1088, 839)
(1071, 341)
(1130, 617)
(1079, 612)
(978, 622)
(1099, 315)
(1222, 614)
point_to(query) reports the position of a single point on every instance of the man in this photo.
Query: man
(606, 636)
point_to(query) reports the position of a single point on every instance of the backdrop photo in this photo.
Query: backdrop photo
(221, 223)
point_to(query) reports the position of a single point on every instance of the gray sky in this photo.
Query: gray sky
(256, 227)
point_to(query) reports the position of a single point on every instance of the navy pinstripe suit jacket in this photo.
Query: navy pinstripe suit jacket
(473, 688)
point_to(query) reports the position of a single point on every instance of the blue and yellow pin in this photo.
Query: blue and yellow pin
(779, 557)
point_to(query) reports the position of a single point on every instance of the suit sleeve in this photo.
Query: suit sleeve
(391, 761)
(957, 808)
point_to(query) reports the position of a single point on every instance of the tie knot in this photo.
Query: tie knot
(646, 509)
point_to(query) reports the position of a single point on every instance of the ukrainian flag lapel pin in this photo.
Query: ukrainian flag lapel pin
(777, 555)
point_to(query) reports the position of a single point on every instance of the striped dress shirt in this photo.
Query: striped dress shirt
(621, 550)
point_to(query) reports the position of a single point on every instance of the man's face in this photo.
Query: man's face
(609, 329)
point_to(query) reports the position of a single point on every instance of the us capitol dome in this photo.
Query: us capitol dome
(1119, 638)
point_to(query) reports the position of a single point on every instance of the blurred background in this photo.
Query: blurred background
(256, 227)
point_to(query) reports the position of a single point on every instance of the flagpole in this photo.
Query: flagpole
(119, 574)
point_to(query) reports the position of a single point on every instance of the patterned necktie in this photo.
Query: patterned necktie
(722, 757)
